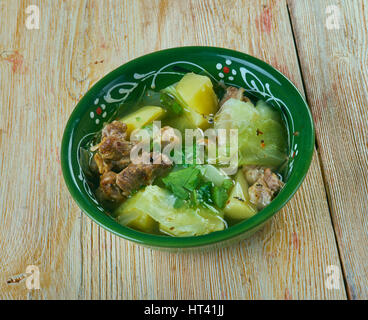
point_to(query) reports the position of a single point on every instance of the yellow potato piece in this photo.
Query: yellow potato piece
(197, 92)
(238, 205)
(142, 117)
(196, 120)
(134, 218)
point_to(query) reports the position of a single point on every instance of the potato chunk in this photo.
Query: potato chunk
(197, 92)
(142, 117)
(238, 205)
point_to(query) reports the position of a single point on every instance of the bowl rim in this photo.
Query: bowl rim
(161, 241)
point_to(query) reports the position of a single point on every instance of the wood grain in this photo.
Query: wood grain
(39, 222)
(335, 65)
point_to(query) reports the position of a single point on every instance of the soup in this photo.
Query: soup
(191, 159)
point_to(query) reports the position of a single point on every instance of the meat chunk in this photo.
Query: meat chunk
(114, 148)
(135, 176)
(235, 93)
(119, 165)
(253, 173)
(260, 194)
(115, 128)
(101, 166)
(108, 189)
(98, 164)
(265, 188)
(272, 180)
(132, 178)
(113, 152)
(119, 175)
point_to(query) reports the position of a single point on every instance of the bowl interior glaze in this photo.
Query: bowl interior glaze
(157, 70)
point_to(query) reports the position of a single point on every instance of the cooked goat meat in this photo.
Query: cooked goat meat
(113, 155)
(114, 148)
(102, 166)
(132, 178)
(265, 188)
(272, 180)
(260, 194)
(113, 152)
(235, 93)
(119, 165)
(115, 128)
(253, 173)
(108, 189)
(135, 176)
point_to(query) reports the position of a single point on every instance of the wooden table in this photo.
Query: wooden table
(45, 71)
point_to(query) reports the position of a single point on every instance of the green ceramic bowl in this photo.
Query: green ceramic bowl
(157, 70)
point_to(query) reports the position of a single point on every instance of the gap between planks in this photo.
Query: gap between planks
(320, 160)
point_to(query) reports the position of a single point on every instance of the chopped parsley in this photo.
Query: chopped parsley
(187, 186)
(170, 103)
(182, 182)
(219, 196)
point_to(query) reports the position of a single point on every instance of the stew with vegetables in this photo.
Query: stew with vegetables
(151, 175)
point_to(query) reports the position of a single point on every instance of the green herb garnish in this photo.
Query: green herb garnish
(188, 187)
(204, 193)
(178, 203)
(182, 182)
(227, 184)
(171, 104)
(219, 196)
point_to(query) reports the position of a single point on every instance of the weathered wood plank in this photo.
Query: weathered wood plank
(335, 70)
(40, 223)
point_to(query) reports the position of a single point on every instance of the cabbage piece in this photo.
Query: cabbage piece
(267, 112)
(265, 144)
(158, 203)
(262, 136)
(211, 173)
(236, 114)
(135, 218)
